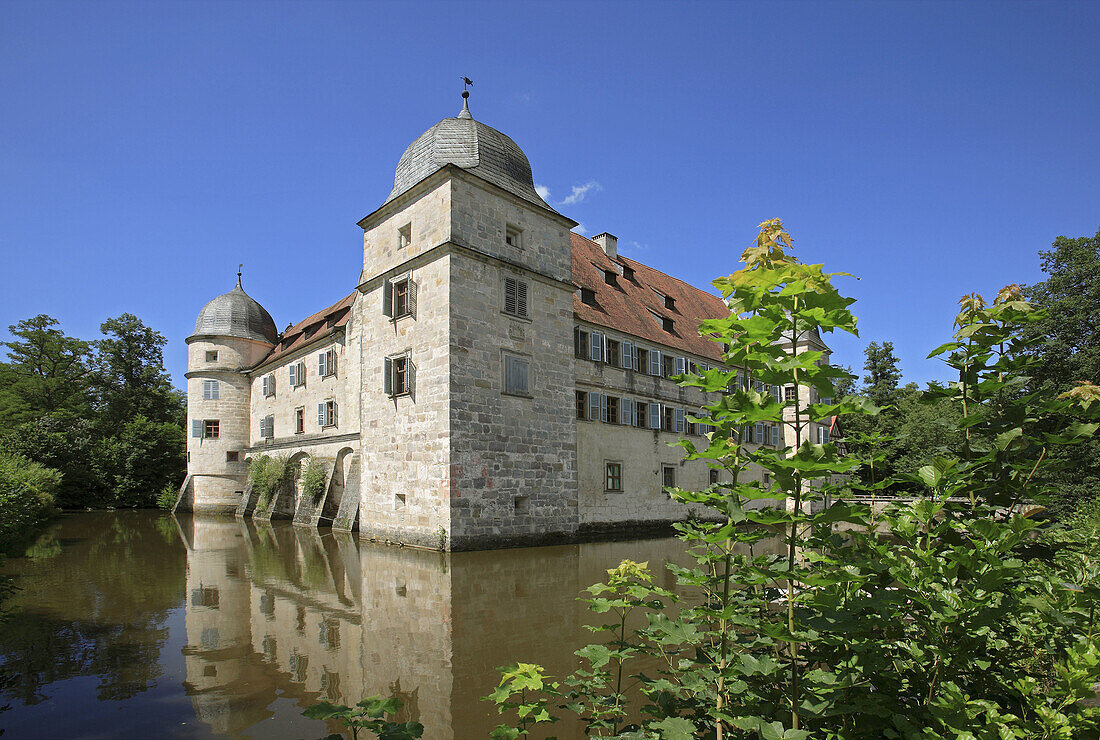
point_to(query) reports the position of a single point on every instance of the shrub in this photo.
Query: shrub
(265, 473)
(168, 496)
(947, 618)
(313, 478)
(27, 492)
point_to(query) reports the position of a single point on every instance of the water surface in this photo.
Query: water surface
(136, 624)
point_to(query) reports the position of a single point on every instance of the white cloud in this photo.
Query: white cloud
(633, 246)
(581, 229)
(543, 191)
(579, 193)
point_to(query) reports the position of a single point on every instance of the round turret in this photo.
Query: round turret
(236, 314)
(232, 334)
(475, 147)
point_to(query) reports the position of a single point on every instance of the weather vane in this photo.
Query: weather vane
(239, 266)
(466, 82)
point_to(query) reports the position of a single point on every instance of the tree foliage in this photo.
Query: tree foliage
(883, 373)
(807, 617)
(103, 413)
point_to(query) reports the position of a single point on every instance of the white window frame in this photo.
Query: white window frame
(211, 390)
(328, 414)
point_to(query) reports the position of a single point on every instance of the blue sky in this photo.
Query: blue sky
(931, 149)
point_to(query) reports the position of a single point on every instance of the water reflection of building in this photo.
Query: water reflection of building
(279, 611)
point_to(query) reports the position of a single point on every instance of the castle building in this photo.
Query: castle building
(494, 379)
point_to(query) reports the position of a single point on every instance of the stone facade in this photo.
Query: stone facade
(485, 447)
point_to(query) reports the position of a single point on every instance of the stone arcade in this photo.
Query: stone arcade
(493, 380)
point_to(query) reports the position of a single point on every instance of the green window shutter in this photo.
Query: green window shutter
(387, 377)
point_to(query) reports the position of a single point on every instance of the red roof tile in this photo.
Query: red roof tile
(320, 324)
(629, 306)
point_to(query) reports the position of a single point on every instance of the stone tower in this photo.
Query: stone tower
(467, 419)
(233, 333)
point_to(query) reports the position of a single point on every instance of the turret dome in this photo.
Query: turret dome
(475, 147)
(236, 314)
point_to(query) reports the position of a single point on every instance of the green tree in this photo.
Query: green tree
(1067, 350)
(883, 374)
(68, 443)
(129, 379)
(138, 462)
(48, 371)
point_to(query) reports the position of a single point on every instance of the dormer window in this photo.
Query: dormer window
(513, 237)
(670, 303)
(611, 277)
(404, 236)
(628, 272)
(588, 297)
(666, 324)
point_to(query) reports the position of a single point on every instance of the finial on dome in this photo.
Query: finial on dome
(239, 267)
(465, 112)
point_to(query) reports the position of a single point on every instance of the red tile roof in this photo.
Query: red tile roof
(627, 306)
(314, 327)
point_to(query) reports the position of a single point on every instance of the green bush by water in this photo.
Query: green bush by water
(27, 492)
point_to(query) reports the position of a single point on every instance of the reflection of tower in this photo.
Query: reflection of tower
(282, 617)
(219, 674)
(233, 332)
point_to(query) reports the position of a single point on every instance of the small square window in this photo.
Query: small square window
(790, 393)
(404, 236)
(517, 371)
(668, 475)
(211, 429)
(232, 456)
(513, 237)
(614, 471)
(211, 355)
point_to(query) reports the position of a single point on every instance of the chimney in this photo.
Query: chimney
(608, 243)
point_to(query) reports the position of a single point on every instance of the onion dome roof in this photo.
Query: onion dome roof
(236, 314)
(475, 147)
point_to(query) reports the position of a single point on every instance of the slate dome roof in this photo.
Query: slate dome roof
(475, 147)
(236, 314)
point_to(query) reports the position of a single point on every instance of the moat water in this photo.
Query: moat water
(136, 624)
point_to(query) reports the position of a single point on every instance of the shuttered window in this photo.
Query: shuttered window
(196, 428)
(628, 354)
(654, 416)
(595, 343)
(399, 376)
(517, 371)
(210, 390)
(515, 297)
(211, 429)
(655, 362)
(326, 363)
(326, 414)
(267, 427)
(595, 406)
(297, 373)
(775, 436)
(268, 383)
(613, 406)
(678, 421)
